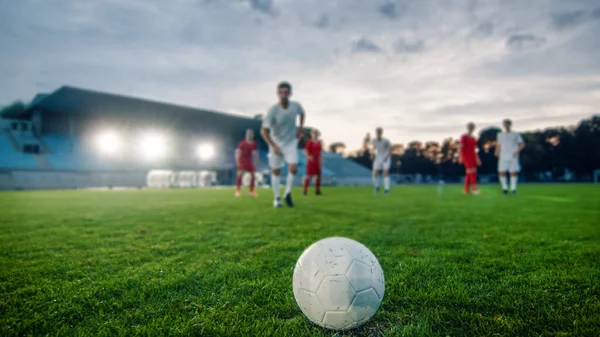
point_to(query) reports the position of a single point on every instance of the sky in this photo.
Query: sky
(420, 69)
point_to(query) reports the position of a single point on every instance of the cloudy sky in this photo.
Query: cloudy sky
(421, 69)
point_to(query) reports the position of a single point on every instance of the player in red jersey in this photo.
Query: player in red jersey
(314, 161)
(469, 158)
(246, 155)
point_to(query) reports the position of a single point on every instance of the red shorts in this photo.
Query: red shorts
(470, 163)
(313, 169)
(246, 167)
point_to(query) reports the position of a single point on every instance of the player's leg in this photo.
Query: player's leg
(514, 169)
(291, 157)
(310, 173)
(514, 177)
(502, 168)
(275, 162)
(289, 184)
(376, 180)
(467, 180)
(376, 168)
(307, 178)
(386, 175)
(318, 183)
(252, 183)
(473, 181)
(386, 181)
(238, 182)
(503, 182)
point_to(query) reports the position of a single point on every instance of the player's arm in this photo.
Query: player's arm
(521, 146)
(301, 118)
(238, 153)
(265, 131)
(497, 151)
(389, 150)
(306, 152)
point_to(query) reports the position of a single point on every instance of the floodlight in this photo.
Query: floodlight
(153, 146)
(206, 151)
(108, 143)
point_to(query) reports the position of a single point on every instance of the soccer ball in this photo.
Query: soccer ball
(338, 283)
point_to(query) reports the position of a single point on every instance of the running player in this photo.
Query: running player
(246, 156)
(314, 155)
(382, 160)
(469, 158)
(508, 147)
(279, 130)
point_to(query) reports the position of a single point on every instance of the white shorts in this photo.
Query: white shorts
(510, 165)
(382, 164)
(289, 155)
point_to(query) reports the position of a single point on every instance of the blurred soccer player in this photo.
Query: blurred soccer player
(314, 156)
(279, 130)
(508, 147)
(246, 156)
(382, 160)
(469, 158)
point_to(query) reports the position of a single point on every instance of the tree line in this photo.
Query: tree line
(549, 154)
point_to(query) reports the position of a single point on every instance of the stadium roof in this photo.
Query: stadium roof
(82, 101)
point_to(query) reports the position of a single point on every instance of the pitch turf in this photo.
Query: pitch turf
(199, 262)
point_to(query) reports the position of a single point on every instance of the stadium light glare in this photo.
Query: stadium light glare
(153, 146)
(108, 143)
(206, 151)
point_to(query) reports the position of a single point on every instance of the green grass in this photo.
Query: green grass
(199, 262)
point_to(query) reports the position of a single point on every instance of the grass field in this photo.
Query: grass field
(200, 262)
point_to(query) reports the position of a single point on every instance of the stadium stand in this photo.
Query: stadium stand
(346, 171)
(51, 144)
(11, 158)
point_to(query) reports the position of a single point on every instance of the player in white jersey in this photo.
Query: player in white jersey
(382, 160)
(508, 147)
(279, 130)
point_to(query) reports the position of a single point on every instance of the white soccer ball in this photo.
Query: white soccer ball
(338, 283)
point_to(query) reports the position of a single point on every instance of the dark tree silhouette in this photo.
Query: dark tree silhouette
(587, 144)
(14, 108)
(337, 147)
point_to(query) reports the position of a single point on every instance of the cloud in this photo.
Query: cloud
(524, 41)
(263, 6)
(365, 45)
(322, 22)
(483, 30)
(389, 10)
(402, 46)
(568, 19)
(596, 14)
